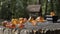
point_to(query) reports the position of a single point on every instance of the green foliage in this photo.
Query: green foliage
(13, 9)
(47, 6)
(17, 8)
(57, 9)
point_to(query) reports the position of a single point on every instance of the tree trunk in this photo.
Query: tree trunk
(52, 8)
(46, 7)
(40, 13)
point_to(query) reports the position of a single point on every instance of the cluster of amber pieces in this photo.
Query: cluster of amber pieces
(14, 23)
(20, 22)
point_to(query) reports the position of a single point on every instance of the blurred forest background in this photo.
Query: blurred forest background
(17, 8)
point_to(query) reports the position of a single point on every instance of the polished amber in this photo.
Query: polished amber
(52, 13)
(21, 26)
(14, 21)
(40, 19)
(33, 22)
